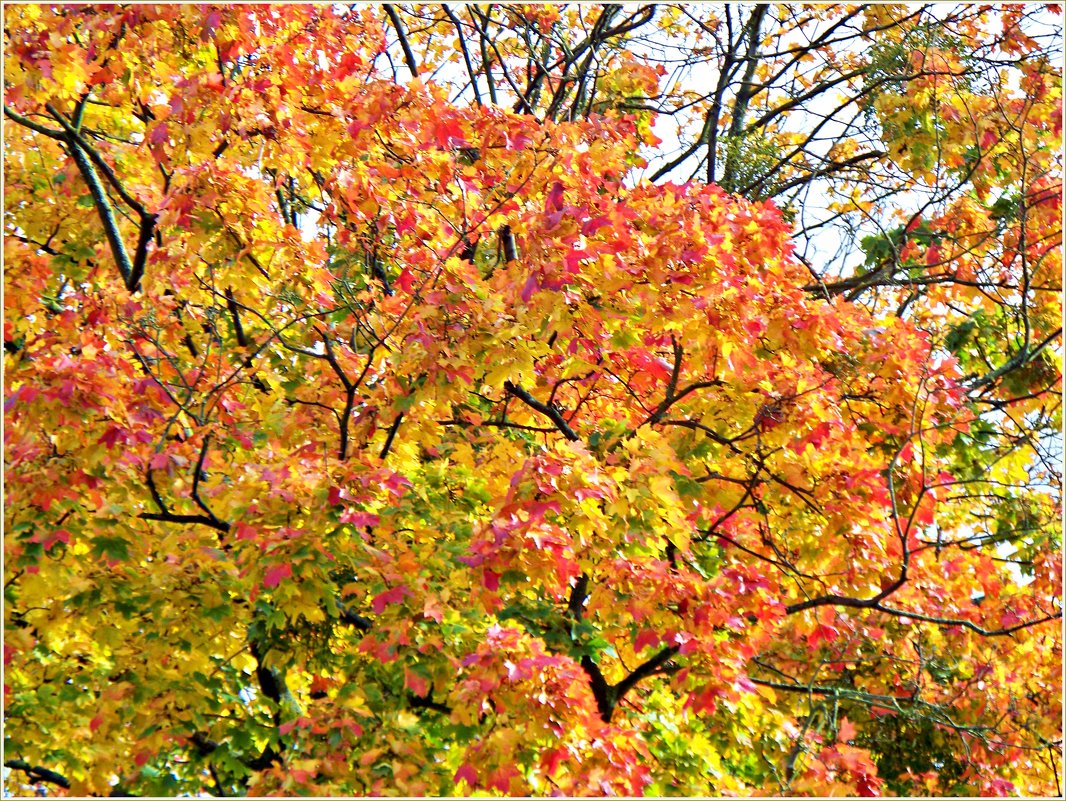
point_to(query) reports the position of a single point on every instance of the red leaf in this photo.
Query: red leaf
(549, 763)
(573, 260)
(746, 684)
(159, 134)
(275, 574)
(705, 700)
(846, 732)
(448, 133)
(228, 51)
(554, 200)
(1009, 618)
(467, 774)
(516, 141)
(527, 290)
(112, 437)
(646, 638)
(820, 432)
(415, 683)
(431, 610)
(406, 280)
(592, 226)
(244, 532)
(1002, 787)
(59, 535)
(822, 633)
(23, 394)
(652, 364)
(755, 326)
(214, 19)
(393, 596)
(868, 786)
(360, 519)
(501, 778)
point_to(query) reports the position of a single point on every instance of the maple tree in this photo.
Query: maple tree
(379, 420)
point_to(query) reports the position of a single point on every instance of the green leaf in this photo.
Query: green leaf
(114, 549)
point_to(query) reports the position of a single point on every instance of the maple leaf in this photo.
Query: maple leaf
(359, 519)
(592, 479)
(466, 773)
(553, 201)
(845, 731)
(274, 575)
(406, 280)
(389, 597)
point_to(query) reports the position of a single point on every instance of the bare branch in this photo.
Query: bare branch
(550, 412)
(38, 774)
(408, 54)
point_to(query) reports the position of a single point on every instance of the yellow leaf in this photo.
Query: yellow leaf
(244, 662)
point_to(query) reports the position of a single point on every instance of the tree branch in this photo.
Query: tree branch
(466, 54)
(671, 386)
(238, 329)
(147, 219)
(427, 702)
(607, 695)
(166, 516)
(73, 136)
(362, 623)
(408, 55)
(392, 435)
(601, 690)
(744, 95)
(507, 241)
(642, 671)
(875, 605)
(103, 205)
(578, 594)
(25, 122)
(550, 412)
(272, 688)
(196, 483)
(38, 774)
(1020, 358)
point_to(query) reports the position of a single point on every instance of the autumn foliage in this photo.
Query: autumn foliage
(370, 434)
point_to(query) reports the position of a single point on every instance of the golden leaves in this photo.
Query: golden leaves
(304, 434)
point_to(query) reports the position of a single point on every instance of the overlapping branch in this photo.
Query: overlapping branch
(550, 412)
(88, 160)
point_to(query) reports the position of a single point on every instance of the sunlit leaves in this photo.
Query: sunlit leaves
(437, 452)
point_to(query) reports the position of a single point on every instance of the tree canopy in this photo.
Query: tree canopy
(533, 400)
